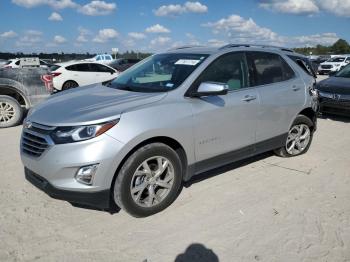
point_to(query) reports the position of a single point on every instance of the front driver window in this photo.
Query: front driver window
(228, 69)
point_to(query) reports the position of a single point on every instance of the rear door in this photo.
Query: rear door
(102, 73)
(282, 95)
(81, 74)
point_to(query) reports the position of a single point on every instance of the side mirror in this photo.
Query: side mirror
(211, 89)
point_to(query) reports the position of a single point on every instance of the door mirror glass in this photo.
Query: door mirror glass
(211, 89)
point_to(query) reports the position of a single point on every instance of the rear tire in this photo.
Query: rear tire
(149, 180)
(69, 85)
(299, 138)
(11, 112)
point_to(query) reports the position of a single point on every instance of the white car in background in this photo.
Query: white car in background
(334, 64)
(80, 73)
(102, 58)
(16, 63)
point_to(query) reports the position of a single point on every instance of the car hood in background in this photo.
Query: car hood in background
(89, 105)
(335, 85)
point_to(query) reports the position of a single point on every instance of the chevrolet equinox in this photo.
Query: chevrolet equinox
(133, 142)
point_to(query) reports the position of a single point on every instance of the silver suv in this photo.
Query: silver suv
(170, 117)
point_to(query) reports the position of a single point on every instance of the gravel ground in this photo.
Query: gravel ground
(263, 209)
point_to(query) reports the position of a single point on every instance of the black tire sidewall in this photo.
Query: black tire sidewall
(64, 86)
(122, 194)
(18, 112)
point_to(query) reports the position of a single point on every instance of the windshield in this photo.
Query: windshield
(159, 73)
(336, 59)
(345, 72)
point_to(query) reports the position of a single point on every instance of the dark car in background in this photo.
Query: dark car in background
(334, 93)
(121, 64)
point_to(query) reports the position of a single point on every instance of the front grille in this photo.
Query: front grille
(35, 139)
(326, 66)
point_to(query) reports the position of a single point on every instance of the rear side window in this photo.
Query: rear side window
(304, 64)
(17, 63)
(288, 72)
(99, 68)
(79, 67)
(267, 68)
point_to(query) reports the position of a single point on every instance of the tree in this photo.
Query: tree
(340, 47)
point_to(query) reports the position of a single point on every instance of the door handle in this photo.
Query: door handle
(296, 88)
(248, 98)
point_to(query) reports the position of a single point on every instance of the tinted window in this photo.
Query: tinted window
(304, 64)
(79, 67)
(17, 63)
(99, 68)
(288, 72)
(107, 57)
(265, 68)
(228, 69)
(98, 58)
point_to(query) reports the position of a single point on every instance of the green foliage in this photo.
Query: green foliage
(339, 47)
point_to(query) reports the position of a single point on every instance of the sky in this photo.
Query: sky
(97, 26)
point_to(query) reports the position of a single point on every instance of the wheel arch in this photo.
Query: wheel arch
(15, 94)
(171, 142)
(311, 114)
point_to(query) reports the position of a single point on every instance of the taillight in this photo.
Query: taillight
(7, 66)
(54, 74)
(47, 79)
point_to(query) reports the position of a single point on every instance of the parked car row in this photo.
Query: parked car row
(334, 64)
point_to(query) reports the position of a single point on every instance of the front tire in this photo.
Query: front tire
(299, 138)
(149, 180)
(11, 112)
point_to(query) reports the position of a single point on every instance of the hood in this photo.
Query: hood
(335, 85)
(89, 105)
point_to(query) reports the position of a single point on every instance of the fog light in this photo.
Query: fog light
(85, 174)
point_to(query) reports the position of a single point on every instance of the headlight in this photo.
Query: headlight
(63, 135)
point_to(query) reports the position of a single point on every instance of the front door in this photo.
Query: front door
(224, 126)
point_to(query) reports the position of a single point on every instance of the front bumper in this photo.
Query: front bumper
(55, 170)
(99, 199)
(334, 106)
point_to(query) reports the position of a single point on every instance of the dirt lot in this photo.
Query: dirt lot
(264, 209)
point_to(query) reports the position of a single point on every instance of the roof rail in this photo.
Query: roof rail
(254, 45)
(185, 47)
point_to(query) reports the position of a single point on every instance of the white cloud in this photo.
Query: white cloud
(106, 35)
(30, 38)
(216, 42)
(83, 33)
(174, 10)
(57, 4)
(55, 17)
(157, 29)
(8, 34)
(195, 7)
(160, 41)
(96, 8)
(337, 7)
(236, 29)
(291, 6)
(58, 39)
(136, 35)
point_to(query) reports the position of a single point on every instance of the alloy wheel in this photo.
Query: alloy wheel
(298, 139)
(152, 181)
(7, 112)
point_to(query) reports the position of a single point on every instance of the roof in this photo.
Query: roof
(213, 50)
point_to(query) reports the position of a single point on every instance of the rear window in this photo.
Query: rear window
(304, 64)
(79, 67)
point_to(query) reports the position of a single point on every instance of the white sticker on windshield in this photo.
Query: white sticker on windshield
(190, 62)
